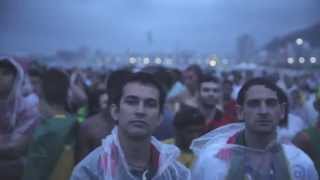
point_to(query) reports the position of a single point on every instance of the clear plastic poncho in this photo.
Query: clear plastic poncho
(220, 159)
(17, 114)
(107, 162)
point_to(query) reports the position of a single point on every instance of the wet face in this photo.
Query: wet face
(261, 110)
(138, 114)
(210, 92)
(7, 77)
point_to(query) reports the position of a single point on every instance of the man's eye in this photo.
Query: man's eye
(151, 103)
(253, 103)
(205, 90)
(216, 90)
(271, 102)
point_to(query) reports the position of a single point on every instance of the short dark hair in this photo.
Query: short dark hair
(55, 86)
(209, 78)
(188, 116)
(143, 78)
(114, 83)
(196, 69)
(282, 97)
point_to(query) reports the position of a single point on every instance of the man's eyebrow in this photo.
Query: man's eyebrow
(131, 97)
(151, 99)
(136, 97)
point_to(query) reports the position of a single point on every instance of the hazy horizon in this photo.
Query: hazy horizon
(40, 26)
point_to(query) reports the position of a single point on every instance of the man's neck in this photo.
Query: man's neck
(259, 141)
(137, 152)
(209, 112)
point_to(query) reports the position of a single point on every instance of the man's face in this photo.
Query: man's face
(261, 110)
(227, 89)
(210, 92)
(103, 101)
(190, 79)
(7, 77)
(36, 84)
(138, 114)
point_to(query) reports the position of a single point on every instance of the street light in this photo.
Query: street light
(313, 60)
(132, 60)
(158, 60)
(290, 60)
(299, 41)
(212, 63)
(146, 60)
(301, 60)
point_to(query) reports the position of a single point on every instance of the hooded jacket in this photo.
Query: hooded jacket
(18, 118)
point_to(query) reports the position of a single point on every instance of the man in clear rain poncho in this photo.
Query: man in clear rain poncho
(250, 150)
(130, 152)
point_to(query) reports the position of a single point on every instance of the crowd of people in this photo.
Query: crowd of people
(157, 123)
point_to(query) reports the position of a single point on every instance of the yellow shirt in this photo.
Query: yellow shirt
(185, 158)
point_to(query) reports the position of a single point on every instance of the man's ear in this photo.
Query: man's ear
(239, 110)
(114, 111)
(160, 119)
(283, 110)
(316, 105)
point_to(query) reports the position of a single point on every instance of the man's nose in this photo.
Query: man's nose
(140, 110)
(263, 108)
(211, 93)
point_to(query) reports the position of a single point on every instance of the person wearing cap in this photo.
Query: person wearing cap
(309, 139)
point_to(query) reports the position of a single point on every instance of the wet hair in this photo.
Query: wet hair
(145, 79)
(114, 83)
(282, 97)
(188, 116)
(55, 86)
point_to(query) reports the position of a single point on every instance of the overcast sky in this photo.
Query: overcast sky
(36, 26)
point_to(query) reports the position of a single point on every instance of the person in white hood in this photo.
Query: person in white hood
(18, 119)
(131, 152)
(250, 150)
